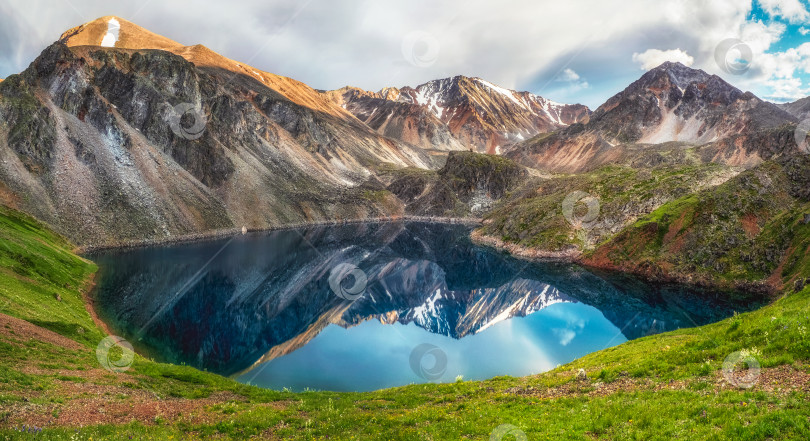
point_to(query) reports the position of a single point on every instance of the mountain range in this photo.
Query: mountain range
(669, 104)
(116, 134)
(458, 113)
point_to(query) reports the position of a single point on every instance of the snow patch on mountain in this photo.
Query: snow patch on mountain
(111, 37)
(431, 95)
(523, 307)
(422, 313)
(472, 113)
(552, 110)
(505, 92)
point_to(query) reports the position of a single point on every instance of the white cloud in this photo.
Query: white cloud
(772, 76)
(572, 79)
(792, 10)
(804, 31)
(330, 44)
(568, 75)
(779, 73)
(525, 44)
(566, 336)
(652, 58)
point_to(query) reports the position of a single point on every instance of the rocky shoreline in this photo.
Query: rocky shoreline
(570, 255)
(657, 275)
(216, 234)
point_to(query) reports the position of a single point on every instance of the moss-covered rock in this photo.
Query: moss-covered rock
(467, 185)
(748, 231)
(533, 216)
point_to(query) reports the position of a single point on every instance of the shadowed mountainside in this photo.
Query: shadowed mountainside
(92, 144)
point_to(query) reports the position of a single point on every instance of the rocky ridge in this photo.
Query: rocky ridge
(671, 103)
(458, 113)
(93, 142)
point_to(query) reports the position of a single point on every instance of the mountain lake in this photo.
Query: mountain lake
(365, 306)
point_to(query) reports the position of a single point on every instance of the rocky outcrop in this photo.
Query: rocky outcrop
(97, 142)
(458, 113)
(467, 185)
(561, 216)
(671, 103)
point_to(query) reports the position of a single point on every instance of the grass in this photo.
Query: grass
(533, 215)
(749, 230)
(41, 281)
(659, 387)
(776, 332)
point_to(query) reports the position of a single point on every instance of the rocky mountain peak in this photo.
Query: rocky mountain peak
(678, 74)
(458, 113)
(676, 103)
(116, 32)
(799, 108)
(99, 125)
(112, 31)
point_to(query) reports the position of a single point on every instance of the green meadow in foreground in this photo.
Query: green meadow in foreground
(667, 386)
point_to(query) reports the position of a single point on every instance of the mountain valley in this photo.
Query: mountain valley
(201, 207)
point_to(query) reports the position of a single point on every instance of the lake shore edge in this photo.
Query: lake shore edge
(576, 256)
(217, 234)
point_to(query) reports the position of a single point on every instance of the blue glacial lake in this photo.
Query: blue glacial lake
(368, 306)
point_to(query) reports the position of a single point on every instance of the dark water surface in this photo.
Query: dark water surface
(260, 307)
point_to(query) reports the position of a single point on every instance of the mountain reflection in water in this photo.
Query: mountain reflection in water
(260, 306)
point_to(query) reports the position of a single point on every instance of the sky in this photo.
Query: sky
(569, 51)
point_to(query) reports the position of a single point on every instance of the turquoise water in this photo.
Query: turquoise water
(369, 306)
(373, 355)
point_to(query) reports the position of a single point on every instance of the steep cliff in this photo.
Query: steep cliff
(148, 139)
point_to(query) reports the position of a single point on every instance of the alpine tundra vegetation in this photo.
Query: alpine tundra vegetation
(195, 248)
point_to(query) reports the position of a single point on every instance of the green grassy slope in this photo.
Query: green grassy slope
(533, 216)
(659, 387)
(749, 230)
(41, 281)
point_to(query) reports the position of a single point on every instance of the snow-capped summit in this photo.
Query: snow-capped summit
(458, 112)
(112, 31)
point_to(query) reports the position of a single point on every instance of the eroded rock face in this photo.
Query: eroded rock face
(799, 108)
(458, 113)
(671, 103)
(467, 185)
(91, 143)
(30, 133)
(149, 139)
(405, 121)
(675, 103)
(750, 149)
